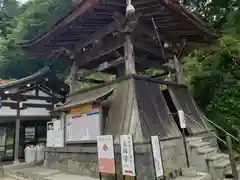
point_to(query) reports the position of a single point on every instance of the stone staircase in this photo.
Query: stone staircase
(209, 159)
(192, 174)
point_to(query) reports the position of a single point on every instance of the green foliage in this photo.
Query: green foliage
(25, 22)
(213, 73)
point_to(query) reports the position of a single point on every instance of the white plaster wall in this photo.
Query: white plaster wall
(33, 101)
(34, 112)
(33, 93)
(7, 111)
(40, 93)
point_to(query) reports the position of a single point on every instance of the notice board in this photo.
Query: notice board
(50, 134)
(106, 159)
(84, 127)
(58, 133)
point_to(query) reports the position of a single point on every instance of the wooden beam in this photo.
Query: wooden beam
(101, 67)
(106, 46)
(93, 81)
(73, 76)
(129, 55)
(58, 28)
(178, 68)
(23, 97)
(97, 36)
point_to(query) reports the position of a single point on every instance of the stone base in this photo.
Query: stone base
(82, 160)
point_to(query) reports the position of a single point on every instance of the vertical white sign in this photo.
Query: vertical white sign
(68, 128)
(157, 156)
(106, 158)
(182, 119)
(127, 154)
(50, 134)
(58, 133)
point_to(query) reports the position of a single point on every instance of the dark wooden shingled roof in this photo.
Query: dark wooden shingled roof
(44, 77)
(94, 19)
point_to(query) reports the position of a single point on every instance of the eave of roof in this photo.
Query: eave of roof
(38, 77)
(51, 44)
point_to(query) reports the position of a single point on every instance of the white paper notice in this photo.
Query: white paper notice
(157, 156)
(106, 159)
(58, 133)
(127, 154)
(182, 119)
(50, 134)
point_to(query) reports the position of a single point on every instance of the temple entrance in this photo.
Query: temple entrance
(32, 133)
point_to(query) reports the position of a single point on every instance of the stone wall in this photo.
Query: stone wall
(83, 160)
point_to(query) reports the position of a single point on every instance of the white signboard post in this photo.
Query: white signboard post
(50, 134)
(106, 159)
(127, 154)
(157, 156)
(58, 133)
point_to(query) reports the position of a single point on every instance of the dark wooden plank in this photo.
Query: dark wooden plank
(106, 46)
(93, 81)
(96, 36)
(101, 67)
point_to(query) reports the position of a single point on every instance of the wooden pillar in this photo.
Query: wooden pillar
(129, 55)
(128, 50)
(17, 135)
(179, 73)
(73, 74)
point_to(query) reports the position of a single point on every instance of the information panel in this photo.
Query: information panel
(58, 133)
(50, 134)
(127, 154)
(83, 127)
(30, 133)
(157, 156)
(106, 159)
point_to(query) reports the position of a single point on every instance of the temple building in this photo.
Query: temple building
(25, 110)
(106, 37)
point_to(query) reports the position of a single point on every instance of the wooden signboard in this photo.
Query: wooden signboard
(106, 159)
(157, 156)
(127, 154)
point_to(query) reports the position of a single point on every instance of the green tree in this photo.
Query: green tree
(30, 19)
(213, 74)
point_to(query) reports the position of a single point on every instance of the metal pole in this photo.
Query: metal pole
(17, 136)
(232, 158)
(185, 147)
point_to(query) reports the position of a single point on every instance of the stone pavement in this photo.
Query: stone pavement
(41, 173)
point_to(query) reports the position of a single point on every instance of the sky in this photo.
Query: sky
(23, 1)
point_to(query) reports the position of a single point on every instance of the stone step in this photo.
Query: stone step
(199, 144)
(189, 172)
(222, 164)
(228, 172)
(195, 139)
(214, 157)
(206, 150)
(200, 176)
